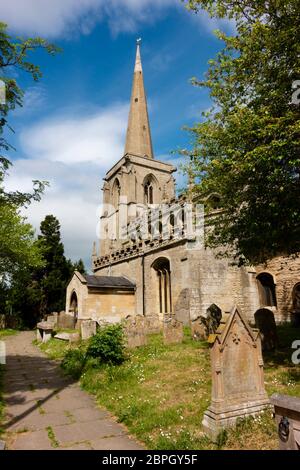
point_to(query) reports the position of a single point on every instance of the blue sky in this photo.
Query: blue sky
(72, 126)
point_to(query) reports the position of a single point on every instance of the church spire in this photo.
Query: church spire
(138, 138)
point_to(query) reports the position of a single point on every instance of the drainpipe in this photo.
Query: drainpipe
(143, 282)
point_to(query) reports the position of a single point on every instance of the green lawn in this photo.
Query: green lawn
(7, 332)
(161, 392)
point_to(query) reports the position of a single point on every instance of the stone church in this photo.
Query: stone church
(165, 269)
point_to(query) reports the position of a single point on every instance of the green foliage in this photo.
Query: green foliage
(35, 291)
(246, 150)
(14, 56)
(18, 247)
(108, 345)
(73, 363)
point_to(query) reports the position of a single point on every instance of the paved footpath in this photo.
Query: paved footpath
(45, 410)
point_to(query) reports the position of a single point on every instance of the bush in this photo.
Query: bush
(73, 363)
(108, 345)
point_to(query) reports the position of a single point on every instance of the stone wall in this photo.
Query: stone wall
(198, 279)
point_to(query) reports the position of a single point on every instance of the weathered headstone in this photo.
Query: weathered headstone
(172, 331)
(135, 331)
(88, 329)
(65, 320)
(237, 374)
(207, 324)
(198, 329)
(287, 416)
(265, 322)
(153, 324)
(71, 337)
(52, 318)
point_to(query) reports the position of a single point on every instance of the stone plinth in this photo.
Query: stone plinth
(44, 331)
(237, 374)
(135, 331)
(88, 328)
(287, 416)
(172, 331)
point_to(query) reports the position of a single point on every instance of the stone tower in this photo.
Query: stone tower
(137, 179)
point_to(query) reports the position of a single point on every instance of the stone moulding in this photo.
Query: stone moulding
(237, 374)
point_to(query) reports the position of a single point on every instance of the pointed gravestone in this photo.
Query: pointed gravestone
(237, 374)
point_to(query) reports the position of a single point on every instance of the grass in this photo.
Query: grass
(52, 438)
(55, 348)
(161, 392)
(7, 332)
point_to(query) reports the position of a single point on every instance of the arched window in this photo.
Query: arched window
(267, 290)
(116, 193)
(162, 268)
(149, 189)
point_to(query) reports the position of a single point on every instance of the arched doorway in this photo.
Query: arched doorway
(265, 322)
(74, 306)
(163, 274)
(267, 290)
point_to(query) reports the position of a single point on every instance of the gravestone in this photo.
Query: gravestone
(265, 322)
(237, 374)
(88, 329)
(153, 324)
(172, 331)
(198, 329)
(65, 321)
(135, 331)
(203, 326)
(52, 318)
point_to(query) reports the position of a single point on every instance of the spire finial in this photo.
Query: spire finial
(138, 62)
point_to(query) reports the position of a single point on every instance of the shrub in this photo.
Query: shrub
(108, 345)
(73, 363)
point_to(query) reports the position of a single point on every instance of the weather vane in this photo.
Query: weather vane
(138, 41)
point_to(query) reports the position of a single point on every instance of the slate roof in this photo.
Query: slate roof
(109, 282)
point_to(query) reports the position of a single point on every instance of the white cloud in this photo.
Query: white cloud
(73, 154)
(96, 137)
(57, 18)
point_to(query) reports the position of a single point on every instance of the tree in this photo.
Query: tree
(37, 291)
(79, 266)
(18, 247)
(247, 148)
(14, 55)
(58, 270)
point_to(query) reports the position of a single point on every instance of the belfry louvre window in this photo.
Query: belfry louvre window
(162, 268)
(148, 193)
(267, 290)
